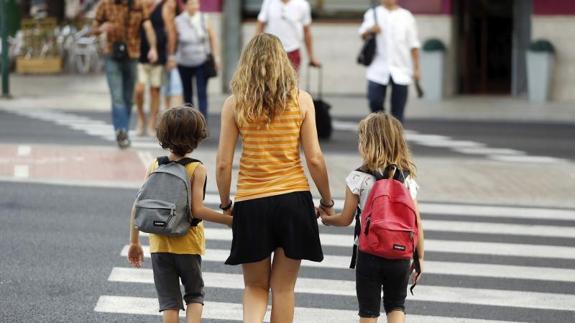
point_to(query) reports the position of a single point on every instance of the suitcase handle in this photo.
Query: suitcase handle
(319, 81)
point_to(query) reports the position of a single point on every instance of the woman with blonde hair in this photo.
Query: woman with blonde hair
(274, 211)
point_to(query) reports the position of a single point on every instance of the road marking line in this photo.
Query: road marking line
(500, 228)
(450, 246)
(525, 159)
(233, 312)
(146, 158)
(21, 171)
(445, 246)
(148, 145)
(344, 125)
(496, 211)
(477, 296)
(442, 268)
(488, 151)
(24, 150)
(453, 144)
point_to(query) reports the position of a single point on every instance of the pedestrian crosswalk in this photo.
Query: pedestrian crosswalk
(465, 147)
(481, 266)
(93, 127)
(104, 130)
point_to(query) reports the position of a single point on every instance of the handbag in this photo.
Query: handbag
(119, 51)
(120, 47)
(369, 47)
(210, 69)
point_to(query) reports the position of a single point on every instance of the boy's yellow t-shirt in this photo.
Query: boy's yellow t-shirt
(193, 243)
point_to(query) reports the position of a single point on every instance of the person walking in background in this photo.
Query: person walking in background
(396, 62)
(197, 40)
(290, 21)
(121, 20)
(172, 89)
(162, 15)
(274, 210)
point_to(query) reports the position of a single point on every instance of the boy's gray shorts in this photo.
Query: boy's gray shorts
(168, 269)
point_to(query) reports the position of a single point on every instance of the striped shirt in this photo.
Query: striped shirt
(270, 163)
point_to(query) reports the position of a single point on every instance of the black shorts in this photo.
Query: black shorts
(372, 274)
(168, 269)
(285, 221)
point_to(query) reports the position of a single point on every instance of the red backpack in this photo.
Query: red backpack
(388, 224)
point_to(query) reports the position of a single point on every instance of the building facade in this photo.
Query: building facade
(487, 41)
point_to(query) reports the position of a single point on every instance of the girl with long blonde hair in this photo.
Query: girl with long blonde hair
(273, 212)
(381, 145)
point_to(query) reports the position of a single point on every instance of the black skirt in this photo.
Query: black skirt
(285, 221)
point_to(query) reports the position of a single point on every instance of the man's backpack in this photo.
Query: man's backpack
(387, 227)
(163, 203)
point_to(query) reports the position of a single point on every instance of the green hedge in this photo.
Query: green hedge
(542, 46)
(433, 44)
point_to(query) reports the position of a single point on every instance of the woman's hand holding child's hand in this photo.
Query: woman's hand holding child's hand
(136, 255)
(324, 215)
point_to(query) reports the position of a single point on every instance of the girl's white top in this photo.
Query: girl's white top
(361, 183)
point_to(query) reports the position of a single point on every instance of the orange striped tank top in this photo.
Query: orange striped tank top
(270, 163)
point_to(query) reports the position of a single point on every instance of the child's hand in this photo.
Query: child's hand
(325, 217)
(327, 211)
(136, 255)
(415, 275)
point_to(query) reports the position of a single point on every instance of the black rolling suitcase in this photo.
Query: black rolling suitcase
(322, 116)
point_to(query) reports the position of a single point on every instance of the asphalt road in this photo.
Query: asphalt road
(60, 245)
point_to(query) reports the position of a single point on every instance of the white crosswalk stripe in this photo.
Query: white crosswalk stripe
(347, 288)
(103, 130)
(462, 146)
(232, 311)
(482, 221)
(469, 247)
(92, 127)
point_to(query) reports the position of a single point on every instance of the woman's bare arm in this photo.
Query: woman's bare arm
(228, 139)
(199, 211)
(312, 150)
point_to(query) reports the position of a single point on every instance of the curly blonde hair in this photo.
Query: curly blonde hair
(382, 142)
(265, 82)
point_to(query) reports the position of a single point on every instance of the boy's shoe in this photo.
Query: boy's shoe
(122, 139)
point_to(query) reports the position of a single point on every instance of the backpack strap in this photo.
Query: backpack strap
(389, 171)
(163, 160)
(184, 162)
(356, 232)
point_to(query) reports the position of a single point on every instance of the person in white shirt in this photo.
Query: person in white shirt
(396, 62)
(290, 21)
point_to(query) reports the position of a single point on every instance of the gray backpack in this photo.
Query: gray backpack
(163, 203)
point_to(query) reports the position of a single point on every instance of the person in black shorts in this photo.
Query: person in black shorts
(381, 140)
(274, 211)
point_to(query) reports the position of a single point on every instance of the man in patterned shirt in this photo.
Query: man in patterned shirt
(120, 20)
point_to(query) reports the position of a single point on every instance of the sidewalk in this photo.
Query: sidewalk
(66, 91)
(460, 180)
